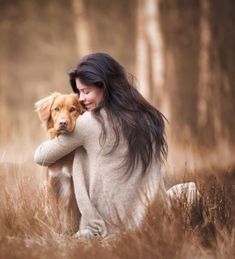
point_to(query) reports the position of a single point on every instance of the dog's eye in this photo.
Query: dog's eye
(57, 109)
(73, 109)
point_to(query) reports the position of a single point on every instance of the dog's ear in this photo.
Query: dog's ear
(43, 107)
(82, 109)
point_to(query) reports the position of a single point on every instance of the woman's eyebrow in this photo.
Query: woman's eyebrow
(84, 88)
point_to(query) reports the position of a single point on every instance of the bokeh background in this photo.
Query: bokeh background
(182, 53)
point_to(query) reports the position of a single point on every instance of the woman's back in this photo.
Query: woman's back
(106, 196)
(119, 199)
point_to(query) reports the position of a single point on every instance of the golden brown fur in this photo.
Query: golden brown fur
(58, 113)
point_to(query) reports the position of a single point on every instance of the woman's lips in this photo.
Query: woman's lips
(88, 105)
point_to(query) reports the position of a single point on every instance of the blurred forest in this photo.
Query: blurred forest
(182, 53)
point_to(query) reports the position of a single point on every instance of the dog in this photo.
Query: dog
(58, 113)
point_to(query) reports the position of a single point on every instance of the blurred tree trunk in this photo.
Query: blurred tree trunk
(150, 60)
(143, 63)
(207, 115)
(222, 55)
(4, 134)
(81, 28)
(204, 82)
(112, 29)
(180, 26)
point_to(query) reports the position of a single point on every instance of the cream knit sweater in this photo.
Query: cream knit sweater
(109, 201)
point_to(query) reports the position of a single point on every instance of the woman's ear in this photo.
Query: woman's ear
(43, 107)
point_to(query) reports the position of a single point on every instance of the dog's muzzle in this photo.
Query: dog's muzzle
(63, 125)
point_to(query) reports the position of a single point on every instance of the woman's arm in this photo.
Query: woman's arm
(52, 150)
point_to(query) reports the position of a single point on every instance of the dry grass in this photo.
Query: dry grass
(203, 230)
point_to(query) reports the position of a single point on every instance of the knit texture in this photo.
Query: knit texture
(109, 201)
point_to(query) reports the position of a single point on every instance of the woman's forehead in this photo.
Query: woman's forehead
(79, 85)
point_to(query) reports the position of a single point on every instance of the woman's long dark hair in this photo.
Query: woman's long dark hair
(141, 124)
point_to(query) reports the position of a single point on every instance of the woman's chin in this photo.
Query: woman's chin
(89, 108)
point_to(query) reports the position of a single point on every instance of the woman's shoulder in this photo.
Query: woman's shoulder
(86, 116)
(86, 120)
(87, 127)
(90, 116)
(89, 121)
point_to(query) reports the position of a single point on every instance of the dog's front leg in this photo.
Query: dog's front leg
(52, 133)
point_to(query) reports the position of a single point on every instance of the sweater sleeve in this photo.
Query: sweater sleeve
(52, 150)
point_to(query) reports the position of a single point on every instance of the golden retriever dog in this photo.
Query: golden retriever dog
(58, 114)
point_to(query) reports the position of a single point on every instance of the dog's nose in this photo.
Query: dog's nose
(63, 124)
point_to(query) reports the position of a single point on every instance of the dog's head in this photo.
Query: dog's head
(58, 112)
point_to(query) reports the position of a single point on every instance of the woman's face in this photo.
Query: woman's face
(90, 96)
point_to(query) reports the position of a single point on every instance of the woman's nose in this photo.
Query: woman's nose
(81, 97)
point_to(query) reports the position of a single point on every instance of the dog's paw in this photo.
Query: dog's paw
(52, 133)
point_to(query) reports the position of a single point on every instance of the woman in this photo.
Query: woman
(120, 146)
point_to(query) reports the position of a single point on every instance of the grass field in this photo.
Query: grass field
(202, 230)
